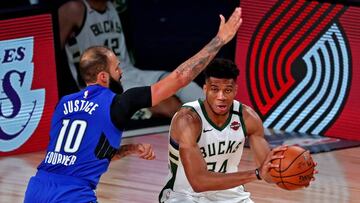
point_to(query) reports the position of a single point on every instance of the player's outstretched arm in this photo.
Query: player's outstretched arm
(188, 70)
(144, 151)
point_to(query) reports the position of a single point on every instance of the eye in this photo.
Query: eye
(228, 91)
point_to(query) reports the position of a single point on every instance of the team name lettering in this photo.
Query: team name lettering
(105, 27)
(79, 105)
(220, 148)
(57, 158)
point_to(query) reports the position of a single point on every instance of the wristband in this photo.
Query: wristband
(257, 173)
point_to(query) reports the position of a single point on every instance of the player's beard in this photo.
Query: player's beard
(116, 86)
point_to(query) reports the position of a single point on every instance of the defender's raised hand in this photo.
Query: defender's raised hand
(228, 29)
(189, 69)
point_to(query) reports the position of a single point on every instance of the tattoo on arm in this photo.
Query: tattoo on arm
(193, 66)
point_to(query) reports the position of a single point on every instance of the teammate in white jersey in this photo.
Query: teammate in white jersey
(86, 23)
(206, 143)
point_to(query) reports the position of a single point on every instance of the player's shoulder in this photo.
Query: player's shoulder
(251, 118)
(73, 6)
(186, 123)
(247, 110)
(188, 115)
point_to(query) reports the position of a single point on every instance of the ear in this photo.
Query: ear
(204, 88)
(102, 76)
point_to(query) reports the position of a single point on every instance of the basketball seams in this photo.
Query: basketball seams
(289, 164)
(312, 167)
(293, 161)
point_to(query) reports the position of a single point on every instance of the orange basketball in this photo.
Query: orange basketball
(295, 169)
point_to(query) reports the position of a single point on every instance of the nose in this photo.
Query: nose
(221, 95)
(120, 71)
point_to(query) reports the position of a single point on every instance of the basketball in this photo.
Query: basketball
(295, 169)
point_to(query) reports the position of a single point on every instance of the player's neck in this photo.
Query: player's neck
(98, 83)
(217, 119)
(98, 5)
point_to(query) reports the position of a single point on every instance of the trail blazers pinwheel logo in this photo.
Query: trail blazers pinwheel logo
(298, 68)
(20, 106)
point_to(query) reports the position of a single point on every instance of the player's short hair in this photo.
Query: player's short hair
(221, 68)
(94, 60)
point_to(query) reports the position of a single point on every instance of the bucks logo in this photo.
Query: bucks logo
(21, 106)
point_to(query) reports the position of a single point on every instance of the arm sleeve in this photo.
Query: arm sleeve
(125, 105)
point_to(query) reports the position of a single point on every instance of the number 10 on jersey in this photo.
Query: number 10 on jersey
(75, 130)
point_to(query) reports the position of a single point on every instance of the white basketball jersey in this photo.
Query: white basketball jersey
(221, 148)
(98, 29)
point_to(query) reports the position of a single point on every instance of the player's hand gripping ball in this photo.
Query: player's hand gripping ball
(296, 169)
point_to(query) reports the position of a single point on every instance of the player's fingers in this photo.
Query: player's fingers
(143, 152)
(152, 157)
(235, 15)
(140, 148)
(237, 25)
(279, 148)
(146, 156)
(148, 153)
(149, 156)
(142, 155)
(274, 157)
(273, 166)
(222, 20)
(269, 166)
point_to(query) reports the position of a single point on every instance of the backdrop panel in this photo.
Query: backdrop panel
(300, 67)
(28, 85)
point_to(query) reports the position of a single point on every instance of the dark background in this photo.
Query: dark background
(161, 34)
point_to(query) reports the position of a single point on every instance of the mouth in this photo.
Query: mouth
(221, 107)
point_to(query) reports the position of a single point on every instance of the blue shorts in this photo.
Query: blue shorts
(50, 187)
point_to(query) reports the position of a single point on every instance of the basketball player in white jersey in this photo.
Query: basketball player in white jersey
(86, 23)
(206, 143)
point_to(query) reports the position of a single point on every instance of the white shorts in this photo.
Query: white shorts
(233, 195)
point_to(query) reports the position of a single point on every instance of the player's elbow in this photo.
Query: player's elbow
(199, 185)
(198, 188)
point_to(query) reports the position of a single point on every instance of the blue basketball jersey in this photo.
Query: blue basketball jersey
(83, 138)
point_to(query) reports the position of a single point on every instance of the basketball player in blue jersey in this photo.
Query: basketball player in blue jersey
(87, 126)
(206, 143)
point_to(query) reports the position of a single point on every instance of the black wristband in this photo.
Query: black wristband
(257, 173)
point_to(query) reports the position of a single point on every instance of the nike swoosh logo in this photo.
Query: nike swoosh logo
(204, 131)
